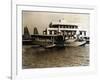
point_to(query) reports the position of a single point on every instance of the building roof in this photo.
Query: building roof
(63, 22)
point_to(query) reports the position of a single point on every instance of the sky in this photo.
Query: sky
(41, 20)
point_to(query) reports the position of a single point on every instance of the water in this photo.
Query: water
(56, 57)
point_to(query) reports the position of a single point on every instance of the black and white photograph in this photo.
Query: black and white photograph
(55, 39)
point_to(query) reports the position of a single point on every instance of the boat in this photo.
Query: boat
(75, 43)
(70, 40)
(50, 46)
(79, 41)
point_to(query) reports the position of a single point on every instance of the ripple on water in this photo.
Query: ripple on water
(56, 57)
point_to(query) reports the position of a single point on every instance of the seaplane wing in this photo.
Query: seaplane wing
(43, 36)
(48, 40)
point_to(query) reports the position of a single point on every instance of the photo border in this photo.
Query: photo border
(16, 21)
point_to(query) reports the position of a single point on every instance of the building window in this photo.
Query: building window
(63, 26)
(76, 26)
(69, 26)
(60, 26)
(62, 32)
(85, 33)
(50, 32)
(56, 26)
(74, 32)
(80, 33)
(72, 26)
(55, 32)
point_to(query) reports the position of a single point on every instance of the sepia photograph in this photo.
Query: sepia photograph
(55, 39)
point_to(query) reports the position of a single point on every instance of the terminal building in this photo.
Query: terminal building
(63, 28)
